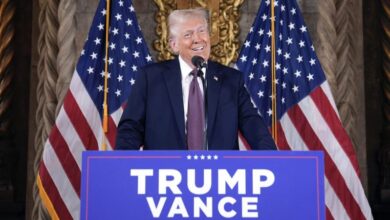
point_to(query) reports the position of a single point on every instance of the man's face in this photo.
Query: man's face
(192, 38)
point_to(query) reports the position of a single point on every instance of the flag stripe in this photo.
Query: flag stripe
(338, 155)
(324, 107)
(70, 136)
(294, 139)
(87, 108)
(328, 93)
(56, 206)
(60, 182)
(116, 116)
(80, 124)
(66, 159)
(242, 143)
(113, 123)
(282, 142)
(313, 142)
(334, 204)
(328, 214)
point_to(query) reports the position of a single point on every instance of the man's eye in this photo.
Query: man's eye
(187, 35)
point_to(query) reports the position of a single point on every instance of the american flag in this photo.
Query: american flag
(307, 117)
(78, 126)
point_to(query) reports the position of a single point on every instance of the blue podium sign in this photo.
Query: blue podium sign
(202, 185)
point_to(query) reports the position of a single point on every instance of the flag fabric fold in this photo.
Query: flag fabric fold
(78, 126)
(307, 117)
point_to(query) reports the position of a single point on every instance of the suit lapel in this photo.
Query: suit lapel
(172, 76)
(214, 81)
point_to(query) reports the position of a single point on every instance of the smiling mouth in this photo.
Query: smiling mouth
(198, 48)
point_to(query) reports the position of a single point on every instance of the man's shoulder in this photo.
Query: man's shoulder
(167, 64)
(226, 70)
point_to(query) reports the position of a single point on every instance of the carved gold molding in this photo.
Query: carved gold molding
(224, 28)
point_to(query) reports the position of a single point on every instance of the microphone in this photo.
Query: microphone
(199, 62)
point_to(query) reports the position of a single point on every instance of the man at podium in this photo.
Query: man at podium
(190, 102)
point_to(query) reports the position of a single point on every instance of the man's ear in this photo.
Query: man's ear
(173, 46)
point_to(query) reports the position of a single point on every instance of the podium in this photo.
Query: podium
(202, 185)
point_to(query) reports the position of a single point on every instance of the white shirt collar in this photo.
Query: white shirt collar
(186, 69)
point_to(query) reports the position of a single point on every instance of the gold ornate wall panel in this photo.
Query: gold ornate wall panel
(224, 28)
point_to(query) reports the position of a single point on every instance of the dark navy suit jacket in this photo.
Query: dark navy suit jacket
(154, 115)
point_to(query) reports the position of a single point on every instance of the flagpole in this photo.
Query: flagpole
(273, 75)
(105, 91)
